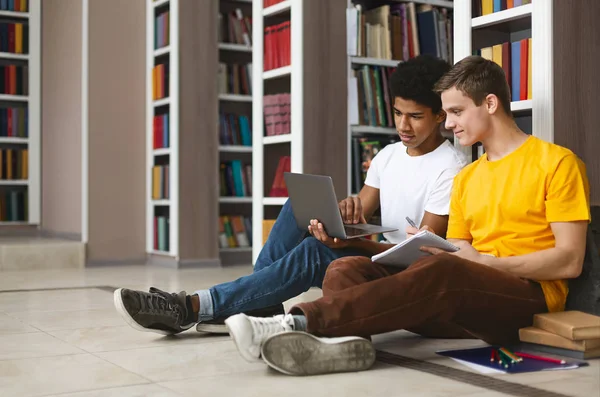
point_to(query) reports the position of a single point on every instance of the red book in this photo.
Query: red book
(506, 62)
(13, 79)
(11, 37)
(524, 70)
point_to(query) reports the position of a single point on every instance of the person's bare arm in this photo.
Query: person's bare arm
(437, 224)
(360, 208)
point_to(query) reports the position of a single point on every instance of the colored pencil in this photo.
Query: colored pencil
(492, 355)
(510, 354)
(507, 359)
(547, 359)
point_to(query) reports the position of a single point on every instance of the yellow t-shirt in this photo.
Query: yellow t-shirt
(506, 206)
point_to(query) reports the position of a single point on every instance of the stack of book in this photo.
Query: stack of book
(570, 333)
(277, 52)
(235, 78)
(234, 129)
(277, 114)
(235, 231)
(372, 100)
(235, 179)
(14, 38)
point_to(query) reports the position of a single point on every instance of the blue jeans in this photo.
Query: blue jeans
(290, 262)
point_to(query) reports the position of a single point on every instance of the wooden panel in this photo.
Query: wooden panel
(326, 91)
(577, 83)
(198, 135)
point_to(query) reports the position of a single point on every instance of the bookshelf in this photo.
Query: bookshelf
(378, 38)
(563, 81)
(295, 98)
(20, 140)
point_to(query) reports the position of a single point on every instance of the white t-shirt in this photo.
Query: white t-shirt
(411, 185)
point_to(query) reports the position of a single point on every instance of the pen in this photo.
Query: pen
(410, 222)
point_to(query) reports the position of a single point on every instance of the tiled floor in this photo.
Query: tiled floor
(71, 342)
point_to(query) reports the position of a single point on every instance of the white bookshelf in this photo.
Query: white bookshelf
(172, 102)
(235, 98)
(530, 20)
(32, 185)
(234, 47)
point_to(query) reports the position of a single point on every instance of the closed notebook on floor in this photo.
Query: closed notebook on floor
(408, 251)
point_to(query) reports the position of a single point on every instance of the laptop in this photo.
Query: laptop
(313, 197)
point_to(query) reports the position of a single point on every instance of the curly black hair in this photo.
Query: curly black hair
(414, 80)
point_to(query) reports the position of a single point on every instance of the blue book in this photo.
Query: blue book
(3, 4)
(236, 168)
(11, 5)
(497, 5)
(245, 131)
(515, 70)
(166, 130)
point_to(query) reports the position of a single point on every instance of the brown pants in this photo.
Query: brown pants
(439, 296)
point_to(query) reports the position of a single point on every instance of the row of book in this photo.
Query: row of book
(277, 44)
(278, 188)
(235, 179)
(14, 164)
(234, 129)
(161, 233)
(14, 38)
(160, 182)
(515, 60)
(14, 205)
(160, 81)
(235, 27)
(235, 78)
(235, 231)
(14, 122)
(364, 149)
(160, 131)
(277, 112)
(269, 3)
(400, 31)
(485, 7)
(369, 96)
(161, 30)
(14, 79)
(14, 5)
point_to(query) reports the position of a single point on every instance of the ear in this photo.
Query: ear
(491, 103)
(440, 117)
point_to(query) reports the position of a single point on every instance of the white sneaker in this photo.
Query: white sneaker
(249, 333)
(300, 353)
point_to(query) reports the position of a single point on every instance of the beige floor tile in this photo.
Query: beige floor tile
(381, 380)
(59, 320)
(127, 391)
(182, 361)
(11, 325)
(583, 386)
(53, 375)
(103, 339)
(63, 300)
(30, 345)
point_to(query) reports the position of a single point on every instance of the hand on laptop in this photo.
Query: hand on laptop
(317, 230)
(352, 211)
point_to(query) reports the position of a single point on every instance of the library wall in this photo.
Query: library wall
(61, 117)
(117, 189)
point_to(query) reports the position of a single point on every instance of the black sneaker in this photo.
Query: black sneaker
(217, 326)
(155, 311)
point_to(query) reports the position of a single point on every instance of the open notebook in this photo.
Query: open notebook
(408, 251)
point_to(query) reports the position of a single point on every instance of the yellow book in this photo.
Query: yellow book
(487, 7)
(497, 54)
(18, 38)
(156, 182)
(24, 5)
(487, 53)
(9, 172)
(25, 164)
(529, 62)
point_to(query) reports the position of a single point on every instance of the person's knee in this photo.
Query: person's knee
(339, 268)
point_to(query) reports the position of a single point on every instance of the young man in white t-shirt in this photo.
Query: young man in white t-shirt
(412, 178)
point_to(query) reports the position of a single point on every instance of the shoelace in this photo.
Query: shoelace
(157, 303)
(266, 326)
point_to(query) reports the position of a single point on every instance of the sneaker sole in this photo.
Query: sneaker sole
(129, 320)
(212, 328)
(300, 353)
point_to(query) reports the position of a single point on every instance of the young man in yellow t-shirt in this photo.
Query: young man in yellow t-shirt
(519, 215)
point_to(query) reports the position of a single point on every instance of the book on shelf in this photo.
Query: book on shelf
(269, 3)
(373, 104)
(234, 129)
(160, 81)
(14, 205)
(235, 231)
(14, 164)
(364, 149)
(15, 81)
(278, 188)
(160, 182)
(235, 27)
(235, 179)
(515, 60)
(14, 5)
(14, 38)
(161, 30)
(14, 122)
(486, 7)
(235, 78)
(161, 233)
(277, 53)
(160, 131)
(277, 113)
(400, 31)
